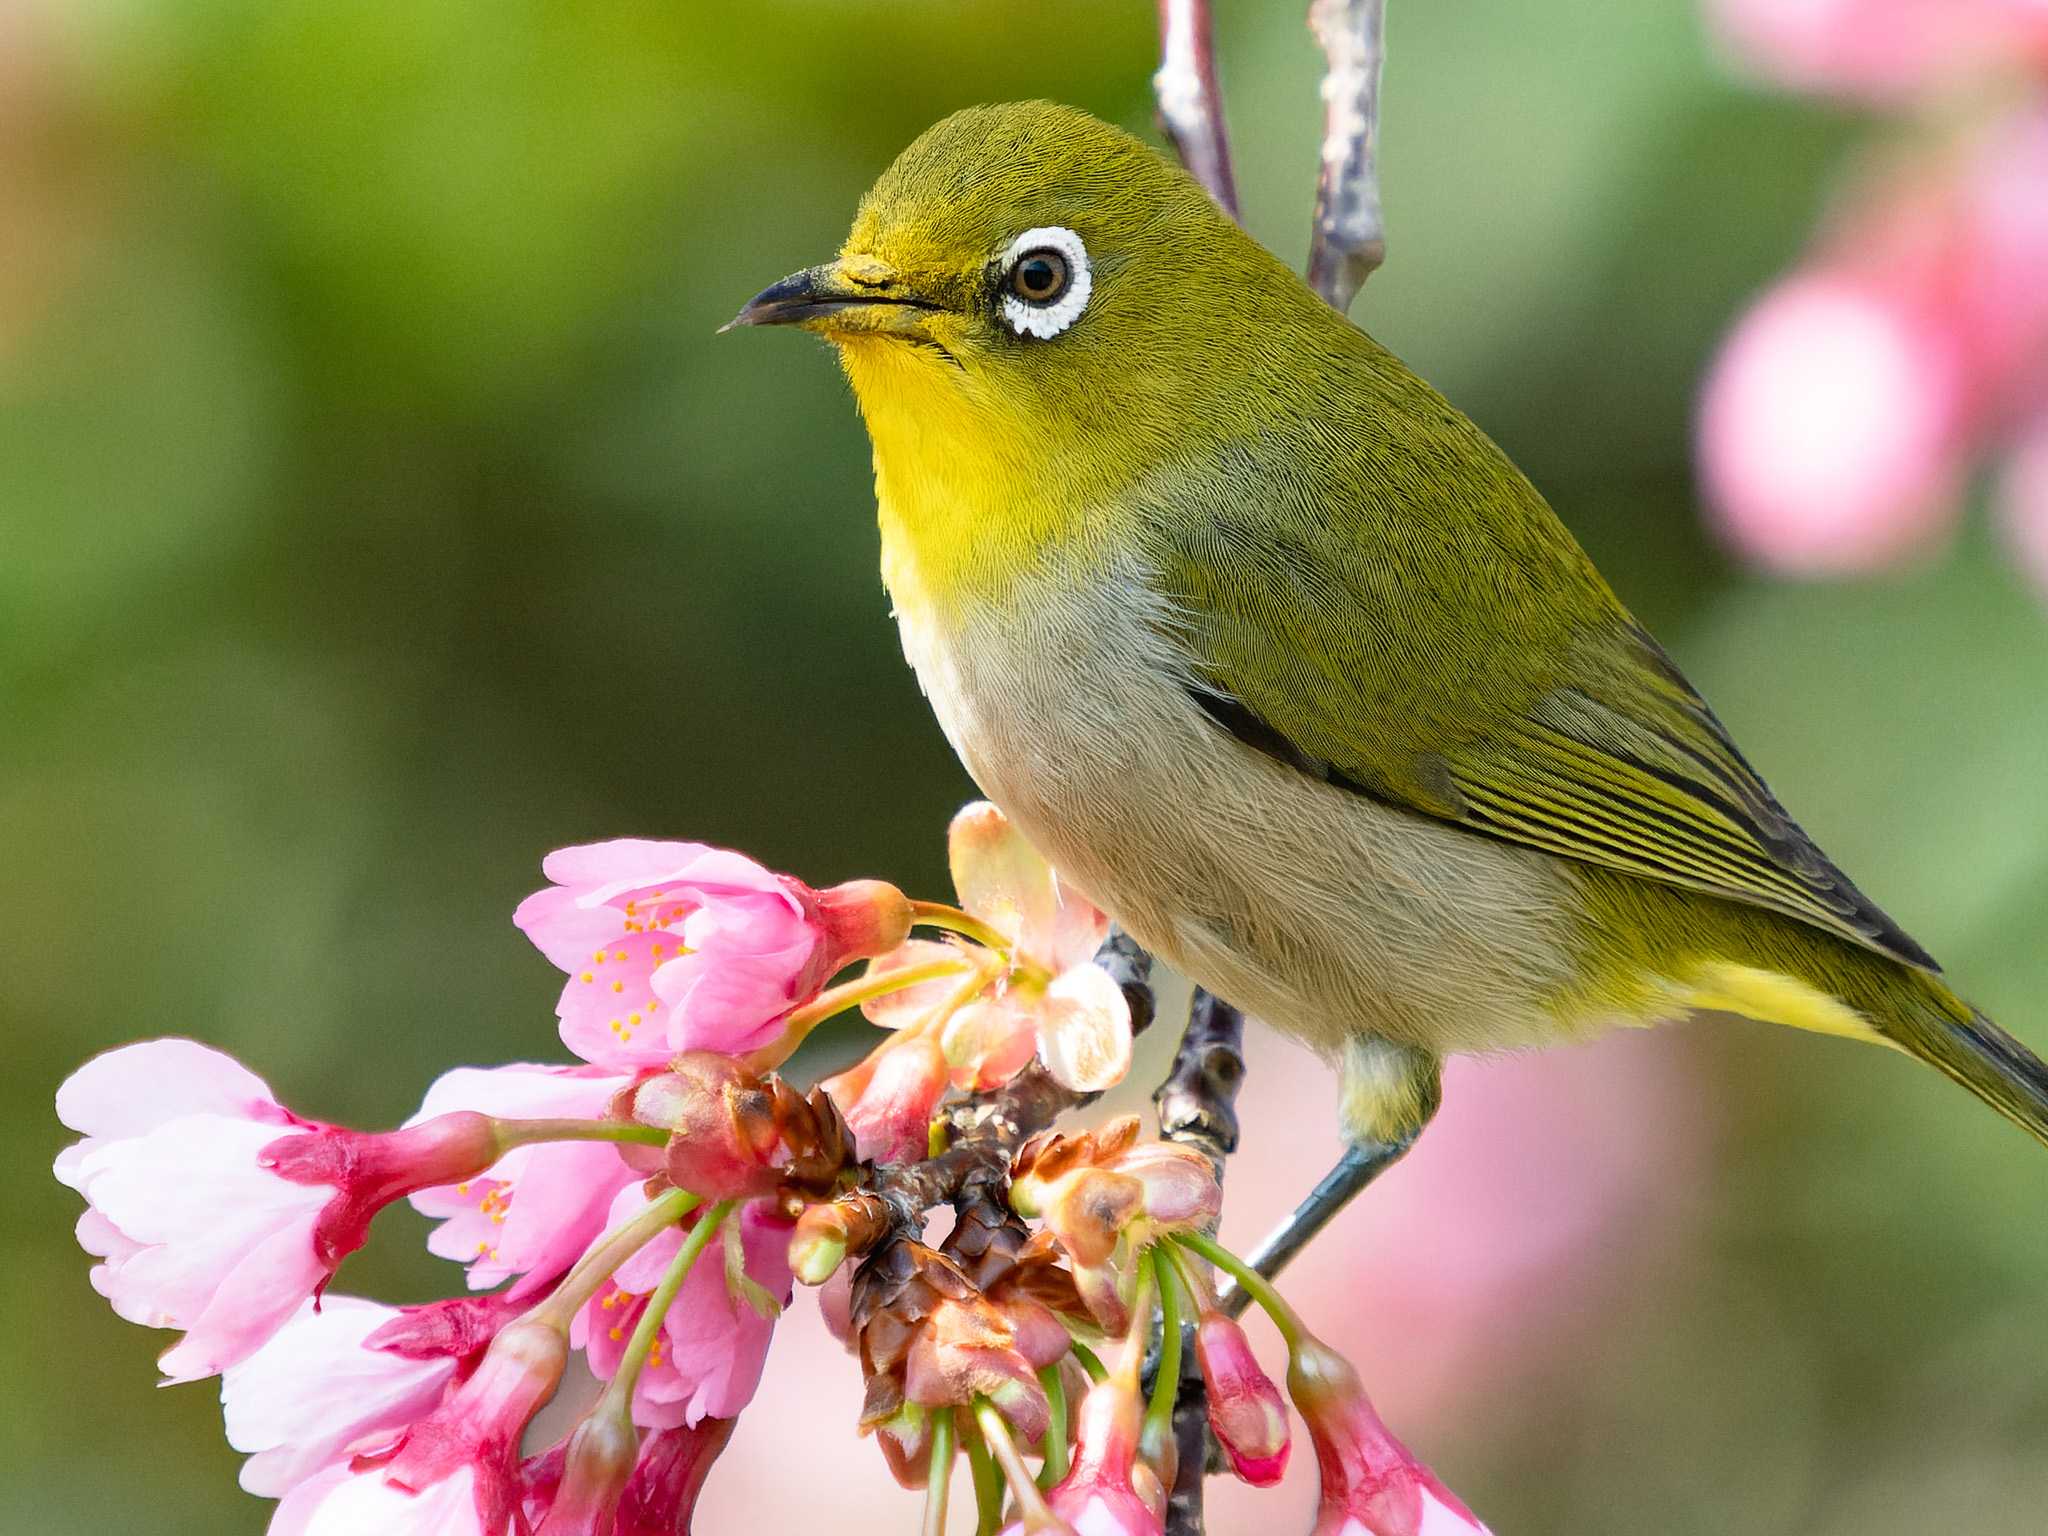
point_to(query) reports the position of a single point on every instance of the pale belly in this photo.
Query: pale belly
(1323, 912)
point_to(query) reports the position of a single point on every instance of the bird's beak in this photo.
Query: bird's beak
(853, 295)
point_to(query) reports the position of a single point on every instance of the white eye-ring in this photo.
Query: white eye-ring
(1045, 281)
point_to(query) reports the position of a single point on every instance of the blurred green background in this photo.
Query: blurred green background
(378, 511)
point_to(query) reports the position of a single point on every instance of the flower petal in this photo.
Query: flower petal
(1084, 1030)
(1001, 878)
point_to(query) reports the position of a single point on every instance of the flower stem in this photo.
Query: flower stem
(836, 1000)
(1254, 1284)
(938, 1481)
(1166, 1383)
(641, 1345)
(936, 914)
(1090, 1361)
(1130, 1364)
(1055, 1466)
(617, 1246)
(988, 1487)
(523, 1133)
(1031, 1506)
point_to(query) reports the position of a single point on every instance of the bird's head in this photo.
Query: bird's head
(1028, 285)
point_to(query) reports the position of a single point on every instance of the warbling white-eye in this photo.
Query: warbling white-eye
(1277, 656)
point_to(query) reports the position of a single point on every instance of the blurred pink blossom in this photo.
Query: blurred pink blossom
(1840, 422)
(1879, 49)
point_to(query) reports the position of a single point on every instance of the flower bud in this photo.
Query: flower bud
(862, 919)
(1246, 1412)
(722, 1119)
(1372, 1484)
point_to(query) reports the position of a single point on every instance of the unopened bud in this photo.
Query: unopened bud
(1246, 1412)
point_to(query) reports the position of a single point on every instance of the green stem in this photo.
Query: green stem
(1055, 1466)
(617, 1246)
(1090, 1361)
(1166, 1384)
(641, 1345)
(988, 1488)
(524, 1133)
(1130, 1364)
(1254, 1284)
(938, 1481)
(995, 1431)
(848, 994)
(936, 914)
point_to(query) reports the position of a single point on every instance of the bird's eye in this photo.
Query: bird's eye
(1039, 276)
(1045, 281)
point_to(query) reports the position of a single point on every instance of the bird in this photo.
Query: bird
(1281, 661)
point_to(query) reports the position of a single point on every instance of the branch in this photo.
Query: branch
(1190, 105)
(1350, 239)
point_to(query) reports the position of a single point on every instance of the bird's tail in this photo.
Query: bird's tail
(1951, 1036)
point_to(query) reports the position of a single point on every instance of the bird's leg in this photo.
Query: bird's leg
(1389, 1094)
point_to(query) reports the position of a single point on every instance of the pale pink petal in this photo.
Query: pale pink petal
(295, 1511)
(521, 1090)
(1828, 428)
(988, 1041)
(891, 1117)
(1447, 1518)
(559, 1206)
(727, 1001)
(719, 872)
(1002, 879)
(1084, 1030)
(302, 1401)
(367, 1505)
(609, 1012)
(132, 1090)
(912, 1004)
(252, 1303)
(1077, 930)
(564, 929)
(717, 1342)
(194, 1179)
(623, 862)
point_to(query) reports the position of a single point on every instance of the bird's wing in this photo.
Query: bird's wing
(1472, 668)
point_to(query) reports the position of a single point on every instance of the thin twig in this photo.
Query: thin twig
(1190, 105)
(1350, 238)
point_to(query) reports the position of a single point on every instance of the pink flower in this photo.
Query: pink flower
(1372, 1485)
(888, 1099)
(318, 1391)
(1881, 49)
(460, 1462)
(1054, 1001)
(713, 1343)
(1106, 1196)
(679, 946)
(1246, 1411)
(217, 1210)
(533, 1211)
(1097, 1497)
(1829, 426)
